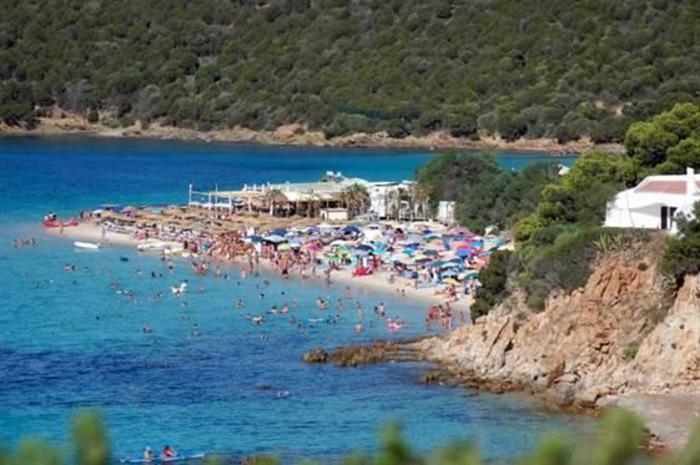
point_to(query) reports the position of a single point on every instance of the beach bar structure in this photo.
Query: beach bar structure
(304, 199)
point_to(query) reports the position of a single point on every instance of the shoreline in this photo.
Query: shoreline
(376, 282)
(296, 135)
(663, 435)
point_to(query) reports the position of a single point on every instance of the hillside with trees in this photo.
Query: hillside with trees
(554, 69)
(556, 219)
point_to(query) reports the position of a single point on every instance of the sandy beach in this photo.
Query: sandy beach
(378, 281)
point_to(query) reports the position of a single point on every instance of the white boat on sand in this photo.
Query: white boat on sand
(87, 245)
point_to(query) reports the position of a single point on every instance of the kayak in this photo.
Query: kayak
(161, 459)
(86, 245)
(58, 224)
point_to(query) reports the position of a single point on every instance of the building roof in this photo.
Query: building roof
(667, 184)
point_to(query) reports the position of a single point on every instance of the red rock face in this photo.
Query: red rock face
(613, 336)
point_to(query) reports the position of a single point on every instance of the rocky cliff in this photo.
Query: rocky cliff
(622, 333)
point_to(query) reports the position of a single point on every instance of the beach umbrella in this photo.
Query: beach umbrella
(361, 252)
(398, 258)
(311, 246)
(274, 238)
(431, 252)
(463, 253)
(351, 229)
(255, 238)
(450, 265)
(373, 234)
(338, 242)
(284, 247)
(448, 274)
(365, 247)
(408, 251)
(295, 243)
(451, 281)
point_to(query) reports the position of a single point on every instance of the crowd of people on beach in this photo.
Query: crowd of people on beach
(413, 259)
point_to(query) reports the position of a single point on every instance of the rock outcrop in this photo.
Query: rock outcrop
(616, 335)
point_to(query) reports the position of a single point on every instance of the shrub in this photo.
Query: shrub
(682, 255)
(93, 116)
(494, 279)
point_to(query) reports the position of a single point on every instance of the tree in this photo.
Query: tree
(682, 257)
(668, 141)
(272, 197)
(355, 198)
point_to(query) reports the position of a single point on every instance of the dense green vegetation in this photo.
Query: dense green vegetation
(518, 68)
(556, 219)
(618, 441)
(486, 195)
(682, 255)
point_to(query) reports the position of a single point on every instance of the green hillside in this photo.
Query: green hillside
(555, 68)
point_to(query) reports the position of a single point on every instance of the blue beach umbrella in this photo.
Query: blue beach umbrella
(450, 265)
(274, 238)
(463, 253)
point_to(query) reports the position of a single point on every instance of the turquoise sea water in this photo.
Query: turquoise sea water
(205, 379)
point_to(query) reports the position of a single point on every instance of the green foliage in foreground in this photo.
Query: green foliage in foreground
(556, 68)
(618, 441)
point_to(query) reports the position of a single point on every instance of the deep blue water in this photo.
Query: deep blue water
(68, 340)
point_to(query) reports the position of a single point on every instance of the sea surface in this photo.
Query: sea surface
(206, 379)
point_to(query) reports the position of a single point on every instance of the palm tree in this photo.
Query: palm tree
(355, 198)
(271, 195)
(392, 201)
(420, 196)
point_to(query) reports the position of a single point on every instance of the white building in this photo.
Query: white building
(655, 202)
(385, 198)
(446, 212)
(334, 214)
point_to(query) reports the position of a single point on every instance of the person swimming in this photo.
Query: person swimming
(147, 454)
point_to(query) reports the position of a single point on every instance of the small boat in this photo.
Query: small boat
(55, 223)
(162, 459)
(87, 245)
